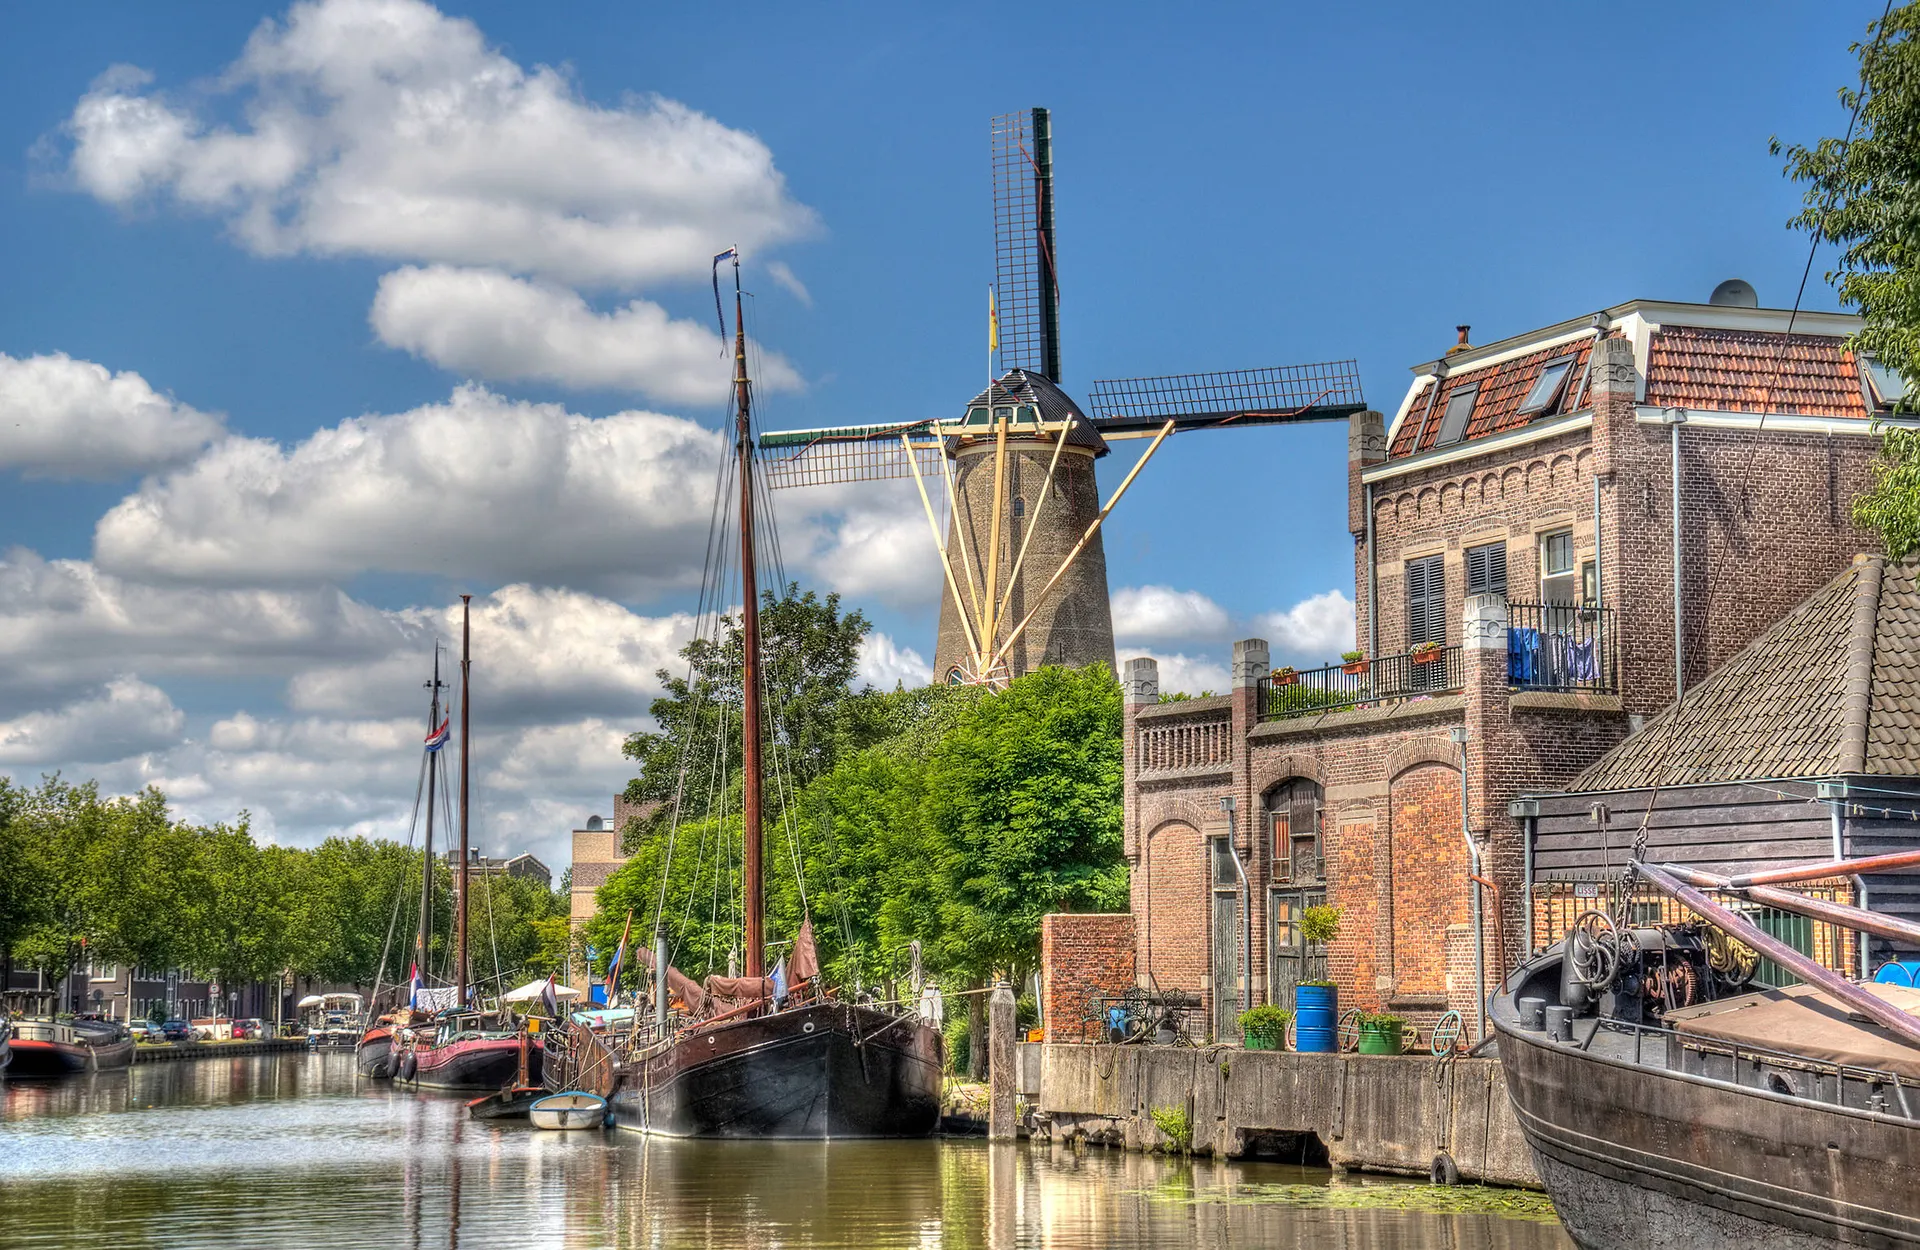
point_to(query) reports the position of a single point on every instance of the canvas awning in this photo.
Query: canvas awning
(532, 990)
(1800, 1020)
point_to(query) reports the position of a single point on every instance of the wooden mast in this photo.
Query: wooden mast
(463, 881)
(425, 948)
(754, 921)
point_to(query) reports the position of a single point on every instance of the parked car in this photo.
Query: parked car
(252, 1030)
(177, 1030)
(145, 1031)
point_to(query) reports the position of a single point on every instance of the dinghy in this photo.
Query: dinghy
(570, 1110)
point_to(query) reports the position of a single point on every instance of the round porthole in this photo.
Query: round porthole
(807, 1027)
(710, 1041)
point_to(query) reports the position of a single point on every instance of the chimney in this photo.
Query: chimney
(1462, 345)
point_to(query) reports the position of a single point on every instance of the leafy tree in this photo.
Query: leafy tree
(1863, 197)
(810, 652)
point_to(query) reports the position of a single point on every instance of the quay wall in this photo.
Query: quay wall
(180, 1051)
(1393, 1114)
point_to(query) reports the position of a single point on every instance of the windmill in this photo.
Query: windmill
(1022, 558)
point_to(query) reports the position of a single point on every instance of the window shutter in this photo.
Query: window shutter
(1487, 569)
(1426, 601)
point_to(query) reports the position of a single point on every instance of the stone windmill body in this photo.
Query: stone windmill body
(1021, 557)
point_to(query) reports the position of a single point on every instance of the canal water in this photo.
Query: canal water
(294, 1150)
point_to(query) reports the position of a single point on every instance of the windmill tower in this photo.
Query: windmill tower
(1021, 555)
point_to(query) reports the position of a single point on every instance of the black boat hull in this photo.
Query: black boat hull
(810, 1073)
(1636, 1155)
(373, 1057)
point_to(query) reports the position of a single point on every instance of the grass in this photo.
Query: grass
(1516, 1204)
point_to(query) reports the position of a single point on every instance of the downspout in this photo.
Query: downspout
(1373, 584)
(1246, 910)
(1479, 920)
(1526, 872)
(1675, 418)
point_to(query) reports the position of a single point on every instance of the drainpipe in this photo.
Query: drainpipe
(1599, 593)
(1527, 811)
(1459, 735)
(1373, 585)
(1246, 911)
(1835, 794)
(1675, 418)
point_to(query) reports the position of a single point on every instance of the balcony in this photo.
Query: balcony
(1339, 687)
(1561, 647)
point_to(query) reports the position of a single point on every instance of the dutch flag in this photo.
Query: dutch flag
(413, 988)
(438, 738)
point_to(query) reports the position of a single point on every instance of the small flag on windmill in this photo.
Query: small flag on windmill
(993, 322)
(438, 738)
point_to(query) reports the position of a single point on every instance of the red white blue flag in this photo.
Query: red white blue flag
(438, 738)
(413, 988)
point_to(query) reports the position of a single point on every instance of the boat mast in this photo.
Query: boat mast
(462, 881)
(426, 862)
(754, 921)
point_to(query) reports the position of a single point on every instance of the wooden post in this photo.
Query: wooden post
(1003, 1064)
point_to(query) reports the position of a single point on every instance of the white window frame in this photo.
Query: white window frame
(1568, 577)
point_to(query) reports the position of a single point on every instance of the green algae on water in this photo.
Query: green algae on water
(1517, 1204)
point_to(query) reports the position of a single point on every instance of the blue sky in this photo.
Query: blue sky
(215, 584)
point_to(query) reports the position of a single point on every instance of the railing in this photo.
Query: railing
(1194, 744)
(1558, 646)
(1337, 687)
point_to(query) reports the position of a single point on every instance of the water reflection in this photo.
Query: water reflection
(292, 1149)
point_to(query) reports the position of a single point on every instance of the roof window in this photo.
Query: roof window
(1453, 425)
(1888, 386)
(1547, 387)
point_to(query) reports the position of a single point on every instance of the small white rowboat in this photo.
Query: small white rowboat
(570, 1110)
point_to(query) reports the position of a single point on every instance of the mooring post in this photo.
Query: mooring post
(1002, 1064)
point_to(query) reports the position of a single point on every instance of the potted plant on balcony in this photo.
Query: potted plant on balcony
(1288, 676)
(1353, 661)
(1382, 1033)
(1427, 652)
(1265, 1027)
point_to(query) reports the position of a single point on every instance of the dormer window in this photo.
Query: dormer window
(1453, 425)
(1548, 386)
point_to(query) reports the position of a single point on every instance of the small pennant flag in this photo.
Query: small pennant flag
(438, 738)
(993, 322)
(549, 999)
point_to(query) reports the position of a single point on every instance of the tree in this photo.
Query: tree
(810, 653)
(1863, 197)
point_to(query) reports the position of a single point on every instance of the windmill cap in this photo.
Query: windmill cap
(1020, 386)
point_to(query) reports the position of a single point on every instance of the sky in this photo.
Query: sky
(313, 318)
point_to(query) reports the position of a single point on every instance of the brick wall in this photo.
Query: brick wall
(1171, 894)
(1429, 863)
(1082, 955)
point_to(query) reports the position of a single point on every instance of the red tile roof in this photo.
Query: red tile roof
(1496, 409)
(1747, 371)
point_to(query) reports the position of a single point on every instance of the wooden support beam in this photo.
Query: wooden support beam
(940, 546)
(966, 560)
(1033, 523)
(992, 625)
(1858, 919)
(1828, 868)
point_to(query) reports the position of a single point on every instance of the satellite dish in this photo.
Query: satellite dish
(1734, 293)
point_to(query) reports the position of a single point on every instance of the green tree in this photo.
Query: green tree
(810, 652)
(1863, 197)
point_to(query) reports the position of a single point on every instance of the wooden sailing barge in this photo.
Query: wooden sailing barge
(744, 1060)
(1667, 1106)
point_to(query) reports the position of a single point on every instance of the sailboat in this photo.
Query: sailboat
(462, 1047)
(756, 1060)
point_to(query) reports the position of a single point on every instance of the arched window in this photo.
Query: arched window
(955, 677)
(1019, 506)
(1295, 814)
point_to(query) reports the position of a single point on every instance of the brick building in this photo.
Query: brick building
(1515, 540)
(598, 850)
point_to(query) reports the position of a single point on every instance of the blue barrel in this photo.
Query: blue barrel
(1898, 974)
(1315, 1019)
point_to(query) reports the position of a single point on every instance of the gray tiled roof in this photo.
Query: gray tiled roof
(1833, 687)
(1022, 386)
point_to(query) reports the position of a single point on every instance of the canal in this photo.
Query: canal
(293, 1150)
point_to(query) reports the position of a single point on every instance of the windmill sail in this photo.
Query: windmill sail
(1280, 395)
(1024, 258)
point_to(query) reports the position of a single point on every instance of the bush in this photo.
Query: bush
(1175, 1127)
(1381, 1022)
(1267, 1024)
(958, 1043)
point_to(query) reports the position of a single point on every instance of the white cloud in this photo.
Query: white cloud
(67, 418)
(386, 128)
(478, 487)
(878, 547)
(1160, 613)
(885, 663)
(1313, 628)
(785, 276)
(125, 717)
(487, 324)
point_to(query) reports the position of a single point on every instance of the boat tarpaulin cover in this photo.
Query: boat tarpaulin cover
(740, 990)
(1800, 1020)
(682, 986)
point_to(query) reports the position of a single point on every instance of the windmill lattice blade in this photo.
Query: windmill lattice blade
(1277, 395)
(1022, 251)
(827, 461)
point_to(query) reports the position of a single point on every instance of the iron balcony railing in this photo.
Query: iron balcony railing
(1559, 646)
(1337, 687)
